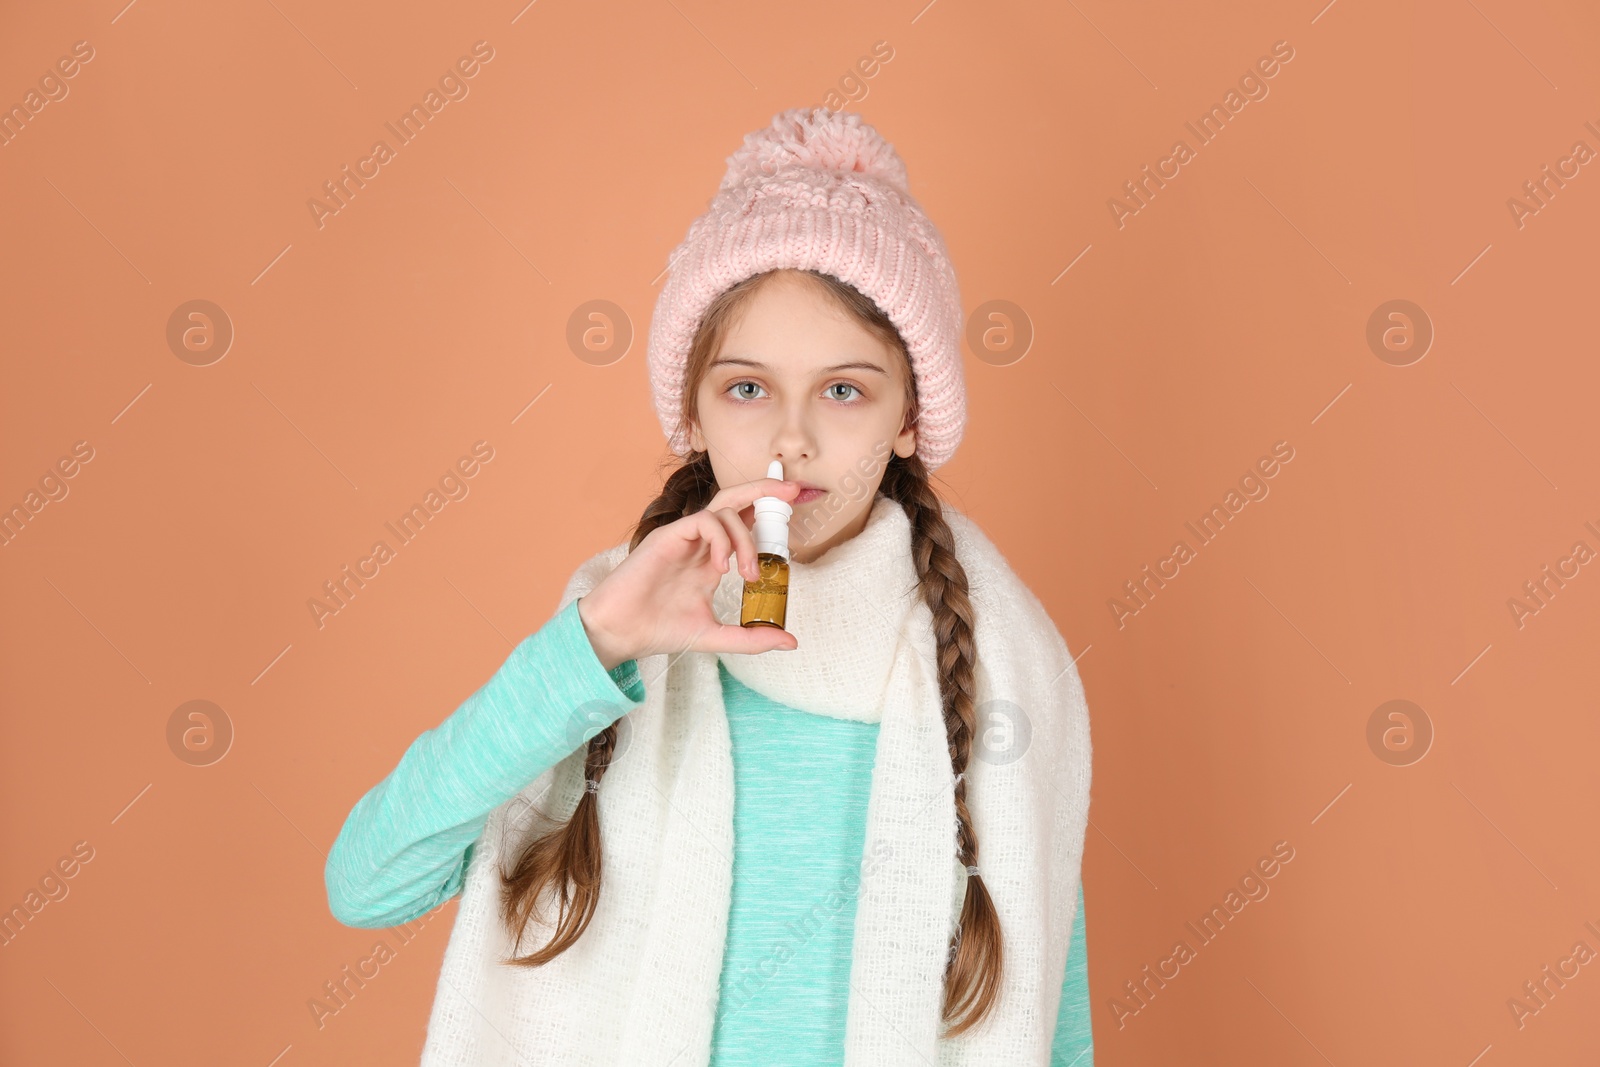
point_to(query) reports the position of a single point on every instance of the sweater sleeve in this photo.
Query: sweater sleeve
(1074, 1040)
(406, 844)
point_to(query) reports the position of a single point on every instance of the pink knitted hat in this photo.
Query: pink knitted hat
(820, 190)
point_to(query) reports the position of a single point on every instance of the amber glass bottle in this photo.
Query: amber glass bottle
(766, 599)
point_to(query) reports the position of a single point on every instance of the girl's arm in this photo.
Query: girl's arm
(405, 846)
(1074, 1040)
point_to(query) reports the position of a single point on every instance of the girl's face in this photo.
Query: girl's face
(797, 379)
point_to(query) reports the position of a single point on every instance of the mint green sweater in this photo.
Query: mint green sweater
(801, 783)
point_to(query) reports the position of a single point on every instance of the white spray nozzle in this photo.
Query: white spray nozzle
(771, 530)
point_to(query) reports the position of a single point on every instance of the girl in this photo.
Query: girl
(855, 840)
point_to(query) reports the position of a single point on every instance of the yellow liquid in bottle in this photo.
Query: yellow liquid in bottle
(766, 599)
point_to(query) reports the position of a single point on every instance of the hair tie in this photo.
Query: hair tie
(972, 869)
(591, 785)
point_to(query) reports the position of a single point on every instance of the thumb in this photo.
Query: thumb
(751, 640)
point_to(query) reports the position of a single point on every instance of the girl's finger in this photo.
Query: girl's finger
(744, 542)
(745, 640)
(715, 536)
(739, 497)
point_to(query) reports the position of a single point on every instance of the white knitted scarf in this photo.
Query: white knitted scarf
(640, 986)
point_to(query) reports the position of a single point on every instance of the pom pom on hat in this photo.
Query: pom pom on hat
(818, 139)
(819, 190)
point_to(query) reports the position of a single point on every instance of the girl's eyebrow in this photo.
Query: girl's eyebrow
(826, 370)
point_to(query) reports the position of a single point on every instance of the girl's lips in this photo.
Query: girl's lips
(808, 495)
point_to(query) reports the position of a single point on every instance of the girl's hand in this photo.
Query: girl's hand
(658, 599)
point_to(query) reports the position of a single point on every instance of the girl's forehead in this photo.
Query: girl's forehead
(788, 339)
(792, 327)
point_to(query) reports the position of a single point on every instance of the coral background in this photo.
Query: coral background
(1168, 354)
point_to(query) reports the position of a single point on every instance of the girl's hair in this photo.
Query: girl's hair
(566, 860)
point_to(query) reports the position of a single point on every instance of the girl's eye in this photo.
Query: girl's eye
(742, 385)
(842, 385)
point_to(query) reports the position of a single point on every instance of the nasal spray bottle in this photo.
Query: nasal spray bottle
(767, 598)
